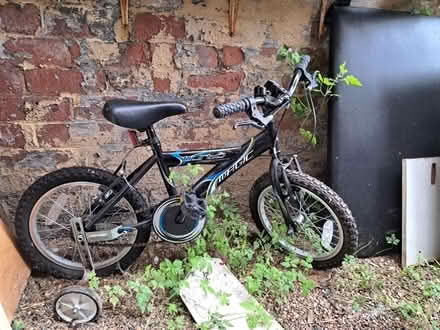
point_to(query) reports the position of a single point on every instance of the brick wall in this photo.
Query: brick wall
(60, 61)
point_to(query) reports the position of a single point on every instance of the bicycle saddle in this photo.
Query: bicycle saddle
(140, 115)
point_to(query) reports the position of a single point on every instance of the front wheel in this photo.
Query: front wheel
(320, 224)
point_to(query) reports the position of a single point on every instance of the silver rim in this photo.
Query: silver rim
(76, 306)
(317, 231)
(49, 225)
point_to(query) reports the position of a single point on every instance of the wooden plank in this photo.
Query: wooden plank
(420, 210)
(14, 273)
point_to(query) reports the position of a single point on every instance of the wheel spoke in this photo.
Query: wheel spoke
(62, 208)
(83, 314)
(53, 221)
(309, 213)
(53, 236)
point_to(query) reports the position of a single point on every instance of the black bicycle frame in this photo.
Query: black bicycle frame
(227, 161)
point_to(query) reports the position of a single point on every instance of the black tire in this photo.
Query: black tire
(30, 244)
(305, 183)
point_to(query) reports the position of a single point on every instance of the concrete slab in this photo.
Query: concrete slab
(202, 302)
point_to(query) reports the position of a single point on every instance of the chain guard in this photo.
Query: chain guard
(168, 225)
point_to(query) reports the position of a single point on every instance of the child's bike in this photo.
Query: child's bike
(87, 218)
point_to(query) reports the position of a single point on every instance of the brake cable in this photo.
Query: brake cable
(311, 106)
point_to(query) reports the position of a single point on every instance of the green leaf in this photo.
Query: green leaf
(114, 300)
(282, 52)
(343, 69)
(172, 308)
(352, 80)
(308, 135)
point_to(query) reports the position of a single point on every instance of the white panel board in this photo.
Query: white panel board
(4, 322)
(420, 210)
(201, 303)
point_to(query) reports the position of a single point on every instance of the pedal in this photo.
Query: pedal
(193, 207)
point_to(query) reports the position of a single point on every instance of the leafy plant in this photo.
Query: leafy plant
(189, 171)
(216, 321)
(93, 280)
(324, 91)
(177, 323)
(18, 325)
(114, 294)
(229, 237)
(392, 240)
(424, 11)
(143, 295)
(256, 315)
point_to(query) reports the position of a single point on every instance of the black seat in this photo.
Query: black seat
(140, 115)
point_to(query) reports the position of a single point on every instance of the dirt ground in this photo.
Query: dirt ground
(326, 307)
(363, 295)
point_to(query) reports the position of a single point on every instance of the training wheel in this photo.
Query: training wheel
(76, 304)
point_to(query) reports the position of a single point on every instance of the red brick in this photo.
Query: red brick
(19, 19)
(11, 136)
(229, 81)
(53, 135)
(146, 26)
(74, 50)
(42, 51)
(11, 108)
(11, 79)
(232, 56)
(175, 26)
(136, 53)
(268, 52)
(47, 110)
(207, 56)
(53, 81)
(161, 85)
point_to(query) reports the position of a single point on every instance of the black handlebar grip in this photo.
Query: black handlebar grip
(303, 63)
(223, 110)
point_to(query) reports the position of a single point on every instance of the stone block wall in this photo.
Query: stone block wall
(61, 60)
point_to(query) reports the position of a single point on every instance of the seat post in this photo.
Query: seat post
(157, 150)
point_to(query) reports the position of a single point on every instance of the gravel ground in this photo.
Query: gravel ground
(328, 306)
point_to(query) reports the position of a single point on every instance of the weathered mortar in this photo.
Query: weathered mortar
(60, 61)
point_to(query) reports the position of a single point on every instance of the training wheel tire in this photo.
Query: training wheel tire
(76, 304)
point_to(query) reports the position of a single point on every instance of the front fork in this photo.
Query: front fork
(282, 187)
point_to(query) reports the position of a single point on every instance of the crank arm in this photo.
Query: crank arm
(107, 235)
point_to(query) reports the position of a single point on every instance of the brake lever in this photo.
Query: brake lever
(312, 80)
(247, 123)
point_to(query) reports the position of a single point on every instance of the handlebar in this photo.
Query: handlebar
(243, 105)
(303, 64)
(272, 102)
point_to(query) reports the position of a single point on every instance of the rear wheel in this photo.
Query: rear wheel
(43, 226)
(320, 225)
